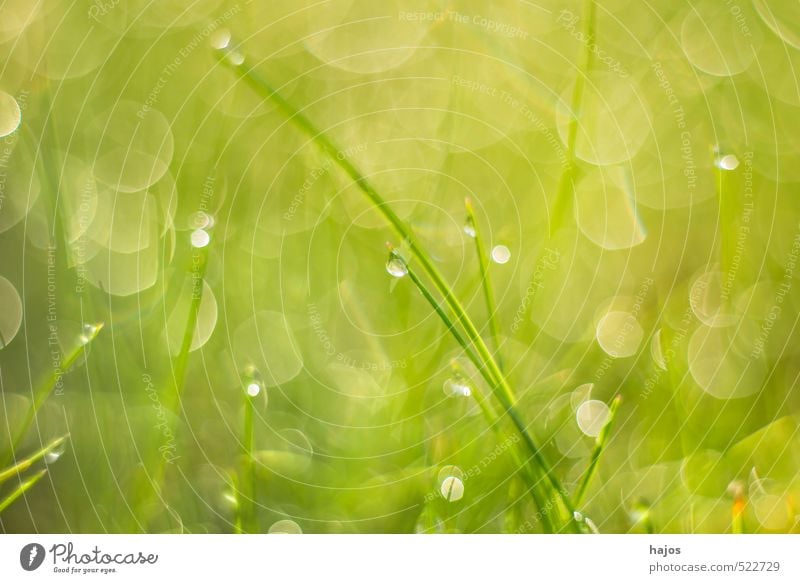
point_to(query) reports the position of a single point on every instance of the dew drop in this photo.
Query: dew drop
(253, 389)
(88, 332)
(220, 39)
(501, 254)
(727, 162)
(452, 489)
(456, 387)
(469, 229)
(235, 58)
(396, 267)
(54, 454)
(200, 238)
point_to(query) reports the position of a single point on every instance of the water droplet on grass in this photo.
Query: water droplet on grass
(501, 254)
(592, 417)
(55, 454)
(456, 387)
(200, 238)
(253, 389)
(220, 39)
(727, 162)
(469, 229)
(235, 58)
(452, 489)
(10, 114)
(396, 266)
(88, 332)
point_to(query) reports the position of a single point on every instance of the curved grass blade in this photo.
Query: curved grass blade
(486, 282)
(599, 447)
(25, 464)
(21, 489)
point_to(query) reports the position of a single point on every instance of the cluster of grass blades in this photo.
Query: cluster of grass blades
(502, 415)
(16, 474)
(20, 464)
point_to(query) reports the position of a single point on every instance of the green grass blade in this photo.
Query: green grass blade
(25, 464)
(599, 448)
(540, 464)
(266, 91)
(21, 489)
(46, 387)
(486, 281)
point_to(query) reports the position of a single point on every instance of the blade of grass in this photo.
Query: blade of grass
(488, 290)
(599, 448)
(265, 90)
(536, 455)
(260, 85)
(565, 191)
(46, 387)
(21, 489)
(493, 422)
(32, 459)
(246, 506)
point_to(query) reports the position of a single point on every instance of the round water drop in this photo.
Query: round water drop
(619, 334)
(456, 387)
(727, 162)
(578, 516)
(396, 267)
(88, 332)
(592, 416)
(55, 454)
(220, 39)
(235, 58)
(469, 229)
(10, 312)
(253, 389)
(10, 114)
(285, 527)
(200, 238)
(452, 489)
(501, 254)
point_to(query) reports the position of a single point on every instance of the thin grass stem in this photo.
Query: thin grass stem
(25, 464)
(21, 489)
(599, 448)
(486, 281)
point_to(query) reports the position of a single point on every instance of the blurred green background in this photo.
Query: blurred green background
(239, 276)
